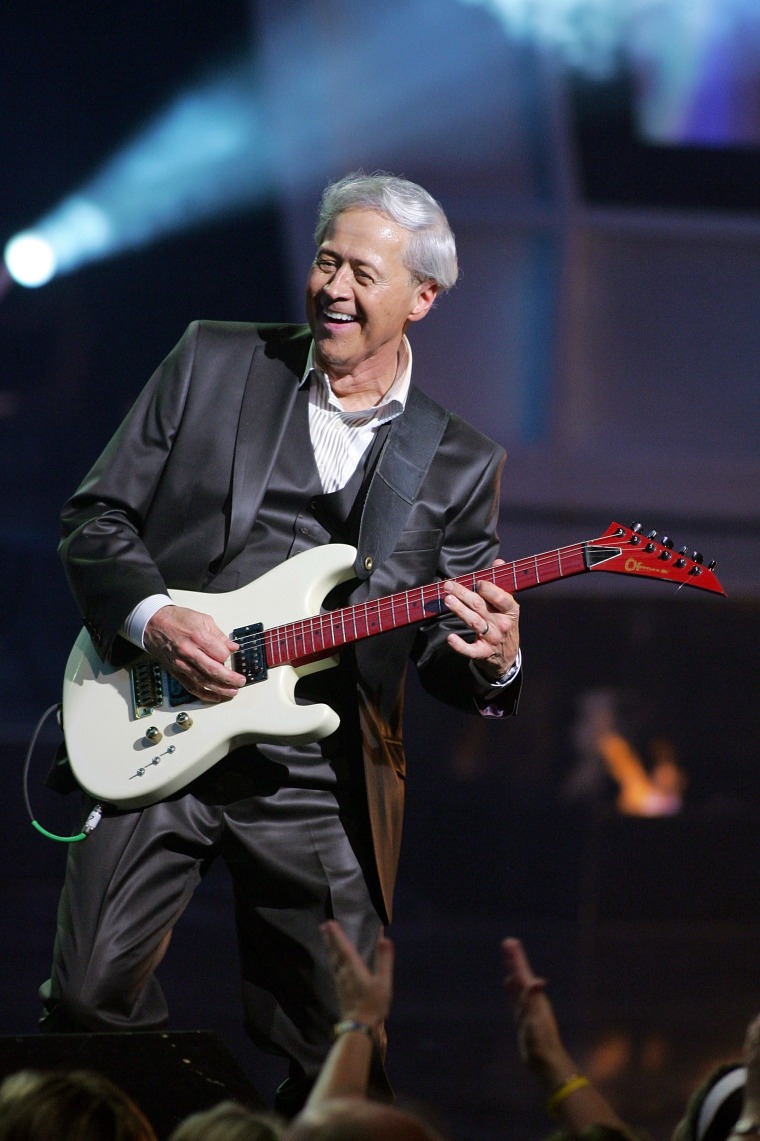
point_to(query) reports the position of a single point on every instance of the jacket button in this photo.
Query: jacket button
(369, 562)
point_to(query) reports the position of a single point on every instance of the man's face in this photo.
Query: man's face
(360, 295)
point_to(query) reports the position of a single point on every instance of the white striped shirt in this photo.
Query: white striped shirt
(341, 437)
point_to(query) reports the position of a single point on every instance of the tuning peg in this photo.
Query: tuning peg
(666, 542)
(652, 535)
(712, 564)
(635, 527)
(698, 557)
(683, 550)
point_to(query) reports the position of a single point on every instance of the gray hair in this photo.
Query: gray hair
(430, 253)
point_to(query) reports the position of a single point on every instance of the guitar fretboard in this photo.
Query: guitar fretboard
(321, 635)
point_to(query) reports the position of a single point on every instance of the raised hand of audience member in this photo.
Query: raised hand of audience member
(364, 1000)
(572, 1099)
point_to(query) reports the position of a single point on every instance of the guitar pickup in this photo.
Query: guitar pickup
(146, 681)
(250, 660)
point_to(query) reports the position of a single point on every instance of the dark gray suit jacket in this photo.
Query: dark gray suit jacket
(173, 497)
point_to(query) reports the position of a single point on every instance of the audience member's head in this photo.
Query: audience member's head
(353, 1119)
(229, 1121)
(714, 1107)
(76, 1105)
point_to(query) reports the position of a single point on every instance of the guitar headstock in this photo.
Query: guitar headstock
(626, 550)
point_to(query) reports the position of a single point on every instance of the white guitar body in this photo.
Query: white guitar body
(132, 739)
(110, 754)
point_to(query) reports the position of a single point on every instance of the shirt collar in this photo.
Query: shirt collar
(393, 402)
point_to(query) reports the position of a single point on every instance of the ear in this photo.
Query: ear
(425, 296)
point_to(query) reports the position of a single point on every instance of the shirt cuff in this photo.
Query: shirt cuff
(487, 683)
(134, 627)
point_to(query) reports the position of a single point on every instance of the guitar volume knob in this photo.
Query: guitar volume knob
(183, 720)
(153, 734)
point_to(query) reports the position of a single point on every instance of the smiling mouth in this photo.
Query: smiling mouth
(333, 317)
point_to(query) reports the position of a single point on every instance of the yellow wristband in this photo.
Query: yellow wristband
(577, 1081)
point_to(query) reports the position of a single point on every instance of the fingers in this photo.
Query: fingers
(339, 946)
(384, 959)
(493, 616)
(363, 993)
(517, 963)
(194, 650)
(520, 981)
(341, 950)
(469, 605)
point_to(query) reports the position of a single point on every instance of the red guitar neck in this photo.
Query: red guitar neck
(620, 550)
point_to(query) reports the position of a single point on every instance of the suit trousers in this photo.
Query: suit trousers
(128, 883)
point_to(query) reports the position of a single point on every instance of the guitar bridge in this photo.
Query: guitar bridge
(250, 660)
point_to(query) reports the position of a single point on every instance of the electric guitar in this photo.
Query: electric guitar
(134, 736)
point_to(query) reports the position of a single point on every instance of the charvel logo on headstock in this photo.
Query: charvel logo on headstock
(633, 566)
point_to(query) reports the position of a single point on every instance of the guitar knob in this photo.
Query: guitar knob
(153, 735)
(183, 720)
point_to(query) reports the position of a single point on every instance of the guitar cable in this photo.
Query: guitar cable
(95, 815)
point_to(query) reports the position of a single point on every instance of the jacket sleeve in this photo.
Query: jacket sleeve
(470, 544)
(107, 564)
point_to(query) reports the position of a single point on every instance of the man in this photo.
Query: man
(249, 445)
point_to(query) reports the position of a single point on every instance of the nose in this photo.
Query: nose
(337, 283)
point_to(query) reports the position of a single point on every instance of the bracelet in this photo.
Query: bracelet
(349, 1025)
(577, 1081)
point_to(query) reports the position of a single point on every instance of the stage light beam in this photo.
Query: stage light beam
(206, 154)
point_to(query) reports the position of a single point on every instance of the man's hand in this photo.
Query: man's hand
(192, 648)
(494, 616)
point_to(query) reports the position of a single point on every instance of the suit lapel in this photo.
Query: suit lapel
(268, 400)
(404, 462)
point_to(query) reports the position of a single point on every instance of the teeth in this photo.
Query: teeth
(345, 317)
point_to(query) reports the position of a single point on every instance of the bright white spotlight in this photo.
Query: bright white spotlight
(30, 259)
(206, 154)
